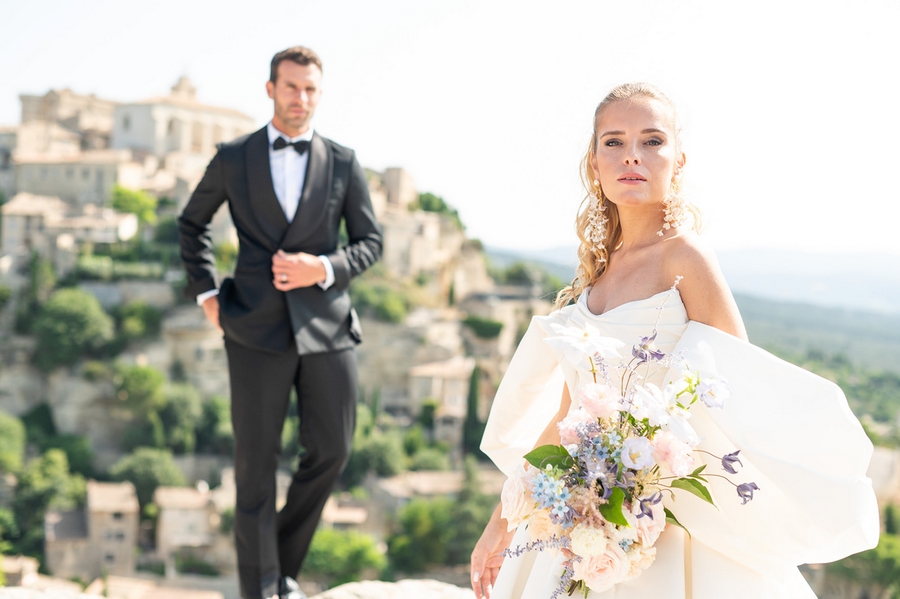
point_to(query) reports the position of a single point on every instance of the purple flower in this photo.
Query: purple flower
(646, 503)
(745, 491)
(645, 350)
(730, 459)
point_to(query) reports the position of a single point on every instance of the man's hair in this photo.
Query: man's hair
(299, 54)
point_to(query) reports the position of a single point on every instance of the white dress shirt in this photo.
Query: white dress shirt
(288, 170)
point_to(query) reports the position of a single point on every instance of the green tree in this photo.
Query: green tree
(139, 203)
(148, 468)
(181, 416)
(41, 281)
(166, 231)
(5, 296)
(877, 569)
(12, 443)
(890, 519)
(425, 529)
(139, 320)
(78, 452)
(70, 325)
(226, 256)
(471, 512)
(473, 427)
(429, 202)
(484, 328)
(45, 483)
(429, 458)
(141, 388)
(380, 452)
(214, 432)
(341, 556)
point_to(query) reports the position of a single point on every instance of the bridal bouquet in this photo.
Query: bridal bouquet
(598, 495)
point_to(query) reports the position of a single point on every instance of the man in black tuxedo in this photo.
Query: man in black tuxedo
(286, 314)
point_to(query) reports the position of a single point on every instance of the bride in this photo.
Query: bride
(799, 442)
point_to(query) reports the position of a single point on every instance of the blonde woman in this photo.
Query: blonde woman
(638, 241)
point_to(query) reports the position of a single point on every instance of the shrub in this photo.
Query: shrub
(70, 325)
(146, 469)
(342, 556)
(12, 443)
(484, 328)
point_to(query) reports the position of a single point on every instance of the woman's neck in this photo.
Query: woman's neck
(640, 226)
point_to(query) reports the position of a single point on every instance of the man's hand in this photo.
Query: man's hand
(211, 309)
(292, 271)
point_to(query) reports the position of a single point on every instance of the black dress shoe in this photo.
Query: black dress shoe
(289, 589)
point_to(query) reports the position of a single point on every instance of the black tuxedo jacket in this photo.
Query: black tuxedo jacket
(252, 312)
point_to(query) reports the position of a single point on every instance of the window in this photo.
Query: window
(70, 172)
(126, 122)
(109, 558)
(120, 536)
(117, 515)
(85, 173)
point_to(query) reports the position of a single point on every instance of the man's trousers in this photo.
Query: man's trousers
(273, 544)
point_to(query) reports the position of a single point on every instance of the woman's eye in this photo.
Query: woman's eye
(612, 142)
(654, 142)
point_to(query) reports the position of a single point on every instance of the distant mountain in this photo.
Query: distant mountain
(868, 282)
(794, 303)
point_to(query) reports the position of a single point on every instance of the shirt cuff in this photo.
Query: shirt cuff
(206, 295)
(329, 273)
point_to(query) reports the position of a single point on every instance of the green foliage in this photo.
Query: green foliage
(148, 468)
(528, 274)
(78, 452)
(414, 440)
(214, 432)
(473, 427)
(5, 296)
(379, 300)
(429, 458)
(187, 562)
(427, 413)
(135, 202)
(12, 443)
(429, 202)
(105, 268)
(890, 519)
(484, 328)
(381, 453)
(441, 531)
(45, 483)
(226, 521)
(41, 281)
(341, 556)
(877, 569)
(95, 371)
(226, 256)
(141, 388)
(139, 320)
(70, 325)
(181, 416)
(166, 231)
(39, 424)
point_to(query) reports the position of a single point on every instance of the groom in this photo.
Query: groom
(286, 314)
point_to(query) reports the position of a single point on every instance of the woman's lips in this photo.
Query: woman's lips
(631, 179)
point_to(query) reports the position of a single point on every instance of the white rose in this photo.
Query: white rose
(515, 500)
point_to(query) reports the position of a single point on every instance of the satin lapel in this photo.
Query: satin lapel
(316, 191)
(263, 200)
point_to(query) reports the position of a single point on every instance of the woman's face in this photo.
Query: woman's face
(636, 157)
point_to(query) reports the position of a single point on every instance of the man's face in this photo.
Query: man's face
(296, 94)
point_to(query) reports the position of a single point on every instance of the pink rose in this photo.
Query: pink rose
(673, 453)
(601, 572)
(568, 426)
(649, 529)
(600, 401)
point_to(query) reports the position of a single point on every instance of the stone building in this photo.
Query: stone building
(79, 179)
(87, 115)
(177, 123)
(446, 383)
(188, 519)
(55, 230)
(101, 537)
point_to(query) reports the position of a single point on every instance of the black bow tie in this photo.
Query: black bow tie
(301, 146)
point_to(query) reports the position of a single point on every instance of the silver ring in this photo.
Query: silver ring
(284, 278)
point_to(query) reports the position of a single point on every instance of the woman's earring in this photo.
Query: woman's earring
(595, 231)
(674, 206)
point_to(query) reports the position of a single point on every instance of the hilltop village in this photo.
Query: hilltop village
(114, 429)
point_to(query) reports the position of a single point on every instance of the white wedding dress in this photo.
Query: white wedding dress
(798, 439)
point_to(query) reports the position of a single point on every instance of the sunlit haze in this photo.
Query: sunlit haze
(789, 108)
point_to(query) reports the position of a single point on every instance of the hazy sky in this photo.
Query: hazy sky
(790, 108)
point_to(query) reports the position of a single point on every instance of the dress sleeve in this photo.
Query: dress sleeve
(798, 441)
(528, 398)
